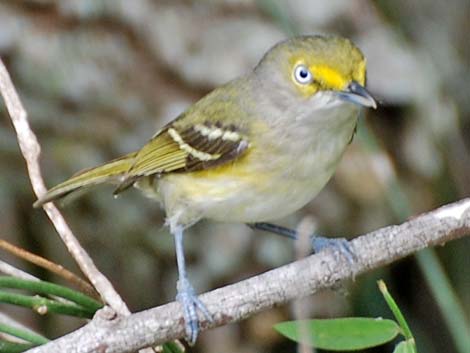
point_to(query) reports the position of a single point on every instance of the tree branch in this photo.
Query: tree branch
(299, 279)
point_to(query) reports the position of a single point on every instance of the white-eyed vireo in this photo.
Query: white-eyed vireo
(254, 150)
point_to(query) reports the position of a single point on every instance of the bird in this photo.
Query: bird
(253, 150)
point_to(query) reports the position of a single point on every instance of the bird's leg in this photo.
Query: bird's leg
(275, 229)
(318, 243)
(185, 292)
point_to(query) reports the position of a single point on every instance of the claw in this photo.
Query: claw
(340, 245)
(191, 305)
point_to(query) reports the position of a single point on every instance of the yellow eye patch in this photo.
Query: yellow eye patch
(328, 77)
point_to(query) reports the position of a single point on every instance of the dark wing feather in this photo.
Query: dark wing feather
(175, 149)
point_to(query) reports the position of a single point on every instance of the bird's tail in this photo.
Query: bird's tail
(109, 172)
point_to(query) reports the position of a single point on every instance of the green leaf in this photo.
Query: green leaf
(24, 334)
(395, 310)
(48, 288)
(45, 306)
(171, 347)
(9, 347)
(340, 334)
(407, 346)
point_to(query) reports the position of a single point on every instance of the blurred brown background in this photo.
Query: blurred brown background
(99, 77)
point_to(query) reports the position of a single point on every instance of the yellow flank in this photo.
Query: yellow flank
(329, 77)
(217, 182)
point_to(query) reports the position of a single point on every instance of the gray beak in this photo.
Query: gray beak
(357, 94)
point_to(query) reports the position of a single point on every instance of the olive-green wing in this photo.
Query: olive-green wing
(173, 149)
(176, 149)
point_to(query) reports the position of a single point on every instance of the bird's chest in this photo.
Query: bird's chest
(270, 182)
(310, 152)
(307, 159)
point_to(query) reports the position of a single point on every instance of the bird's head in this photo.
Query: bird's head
(309, 67)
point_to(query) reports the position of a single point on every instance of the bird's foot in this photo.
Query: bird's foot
(339, 245)
(191, 304)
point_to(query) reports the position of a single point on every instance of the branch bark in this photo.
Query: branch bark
(112, 334)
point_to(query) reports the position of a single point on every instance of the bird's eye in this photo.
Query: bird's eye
(303, 75)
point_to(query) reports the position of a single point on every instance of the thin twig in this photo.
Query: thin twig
(30, 149)
(296, 280)
(51, 266)
(10, 270)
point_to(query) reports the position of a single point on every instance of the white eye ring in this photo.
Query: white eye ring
(302, 75)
